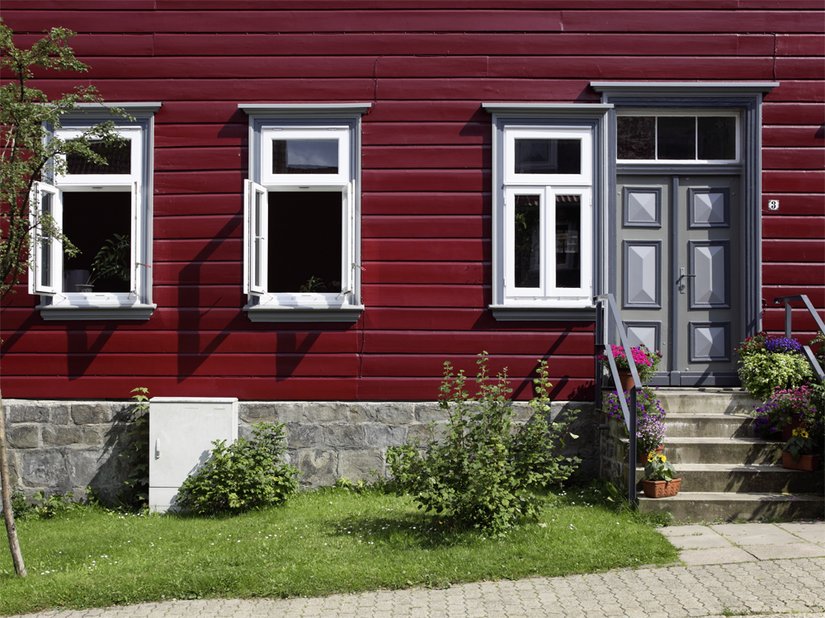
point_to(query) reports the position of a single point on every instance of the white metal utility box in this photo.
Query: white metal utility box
(181, 432)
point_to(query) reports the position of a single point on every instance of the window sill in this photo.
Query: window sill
(265, 313)
(76, 313)
(514, 313)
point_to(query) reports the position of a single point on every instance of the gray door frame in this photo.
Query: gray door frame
(746, 99)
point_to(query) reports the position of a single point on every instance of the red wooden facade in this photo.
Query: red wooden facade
(426, 68)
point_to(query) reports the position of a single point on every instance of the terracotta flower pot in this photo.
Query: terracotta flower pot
(626, 379)
(809, 463)
(661, 489)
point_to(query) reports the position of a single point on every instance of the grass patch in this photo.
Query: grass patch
(319, 543)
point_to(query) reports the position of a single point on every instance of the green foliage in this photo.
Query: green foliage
(818, 398)
(485, 473)
(27, 117)
(42, 506)
(658, 468)
(762, 372)
(802, 442)
(245, 475)
(135, 452)
(322, 542)
(112, 259)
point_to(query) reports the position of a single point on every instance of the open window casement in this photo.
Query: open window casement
(136, 261)
(45, 250)
(256, 209)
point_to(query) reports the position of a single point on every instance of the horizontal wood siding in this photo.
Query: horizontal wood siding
(426, 183)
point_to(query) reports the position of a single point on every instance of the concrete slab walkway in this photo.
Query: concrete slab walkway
(728, 570)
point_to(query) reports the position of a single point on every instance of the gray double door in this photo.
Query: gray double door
(678, 256)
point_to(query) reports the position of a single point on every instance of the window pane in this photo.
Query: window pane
(677, 137)
(305, 156)
(46, 243)
(568, 241)
(528, 241)
(636, 137)
(717, 137)
(304, 241)
(257, 240)
(548, 156)
(104, 257)
(117, 155)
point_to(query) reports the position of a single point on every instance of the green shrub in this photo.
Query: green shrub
(135, 453)
(484, 474)
(245, 475)
(763, 372)
(42, 506)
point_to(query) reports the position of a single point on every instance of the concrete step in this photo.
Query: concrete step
(689, 506)
(706, 450)
(708, 425)
(706, 400)
(746, 478)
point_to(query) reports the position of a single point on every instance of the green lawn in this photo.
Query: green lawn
(319, 543)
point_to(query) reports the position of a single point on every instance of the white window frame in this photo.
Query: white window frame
(547, 295)
(683, 113)
(57, 303)
(312, 122)
(547, 290)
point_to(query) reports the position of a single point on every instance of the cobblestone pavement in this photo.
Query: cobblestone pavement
(748, 582)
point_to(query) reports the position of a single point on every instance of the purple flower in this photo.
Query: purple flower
(782, 344)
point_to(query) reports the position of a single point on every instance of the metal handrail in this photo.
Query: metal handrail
(803, 298)
(610, 313)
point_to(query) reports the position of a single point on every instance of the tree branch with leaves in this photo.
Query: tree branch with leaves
(30, 152)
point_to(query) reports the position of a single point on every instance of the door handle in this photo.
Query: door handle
(683, 274)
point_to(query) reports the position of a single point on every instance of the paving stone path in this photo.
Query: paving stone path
(728, 570)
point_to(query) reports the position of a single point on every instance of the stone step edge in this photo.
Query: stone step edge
(720, 496)
(737, 416)
(734, 467)
(692, 440)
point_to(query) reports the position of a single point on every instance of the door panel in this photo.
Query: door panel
(677, 255)
(707, 316)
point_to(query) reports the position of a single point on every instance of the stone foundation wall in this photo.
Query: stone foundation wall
(61, 446)
(613, 452)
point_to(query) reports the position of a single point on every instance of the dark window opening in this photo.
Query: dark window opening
(304, 241)
(636, 137)
(717, 137)
(46, 243)
(118, 155)
(98, 224)
(527, 241)
(677, 137)
(548, 156)
(568, 241)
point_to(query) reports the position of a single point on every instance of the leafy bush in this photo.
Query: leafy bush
(485, 472)
(650, 418)
(245, 475)
(135, 458)
(768, 363)
(788, 407)
(42, 506)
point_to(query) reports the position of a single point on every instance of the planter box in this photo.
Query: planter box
(808, 463)
(661, 489)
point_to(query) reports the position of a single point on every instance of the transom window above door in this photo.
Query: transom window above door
(677, 137)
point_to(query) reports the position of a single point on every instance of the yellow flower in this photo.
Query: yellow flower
(800, 432)
(662, 458)
(651, 456)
